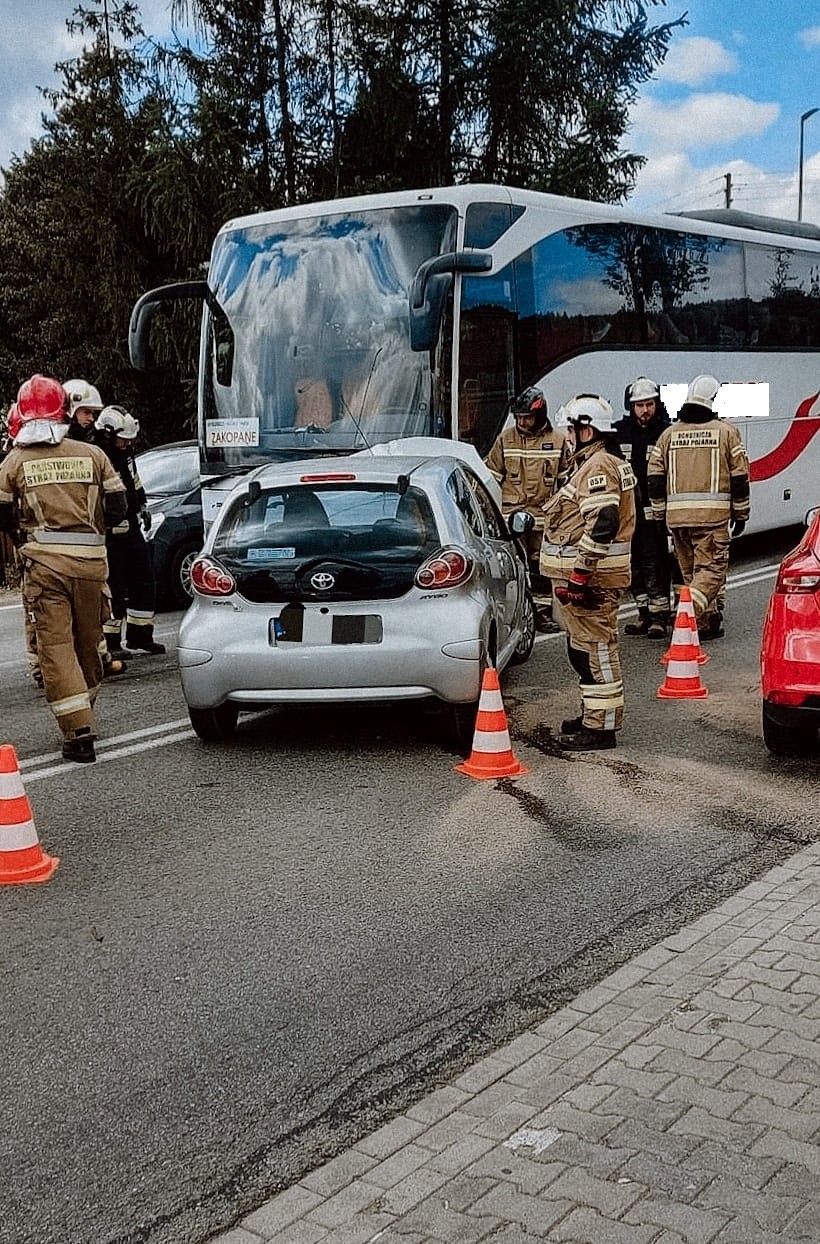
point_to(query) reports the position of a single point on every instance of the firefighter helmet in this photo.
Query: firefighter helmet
(81, 393)
(111, 419)
(13, 421)
(642, 389)
(531, 402)
(130, 427)
(702, 392)
(591, 410)
(41, 397)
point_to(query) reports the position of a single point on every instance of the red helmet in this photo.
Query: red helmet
(13, 421)
(41, 397)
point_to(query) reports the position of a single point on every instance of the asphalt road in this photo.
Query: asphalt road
(252, 953)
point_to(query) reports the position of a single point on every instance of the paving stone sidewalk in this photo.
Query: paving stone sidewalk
(677, 1101)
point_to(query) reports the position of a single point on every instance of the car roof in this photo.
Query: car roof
(380, 469)
(173, 445)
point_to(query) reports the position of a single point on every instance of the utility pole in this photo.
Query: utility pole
(803, 121)
(727, 177)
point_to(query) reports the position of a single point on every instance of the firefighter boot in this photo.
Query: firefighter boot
(586, 740)
(112, 665)
(81, 748)
(658, 623)
(641, 627)
(572, 725)
(544, 621)
(710, 626)
(141, 638)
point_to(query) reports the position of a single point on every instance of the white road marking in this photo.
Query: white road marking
(117, 753)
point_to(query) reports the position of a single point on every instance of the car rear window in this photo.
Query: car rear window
(164, 472)
(379, 535)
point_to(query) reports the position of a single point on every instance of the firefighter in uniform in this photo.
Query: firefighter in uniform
(84, 404)
(131, 574)
(60, 494)
(526, 460)
(589, 524)
(651, 562)
(699, 487)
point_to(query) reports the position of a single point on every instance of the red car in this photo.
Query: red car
(790, 649)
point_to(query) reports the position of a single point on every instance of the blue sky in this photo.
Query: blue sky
(727, 100)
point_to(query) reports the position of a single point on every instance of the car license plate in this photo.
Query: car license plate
(297, 625)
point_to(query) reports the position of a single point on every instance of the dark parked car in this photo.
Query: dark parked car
(170, 477)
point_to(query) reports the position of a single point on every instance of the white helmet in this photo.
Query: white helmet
(81, 393)
(592, 410)
(112, 419)
(642, 389)
(130, 427)
(702, 392)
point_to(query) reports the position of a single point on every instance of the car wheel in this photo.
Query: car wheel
(215, 725)
(786, 740)
(525, 644)
(179, 575)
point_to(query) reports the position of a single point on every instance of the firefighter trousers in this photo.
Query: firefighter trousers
(651, 566)
(703, 557)
(67, 614)
(592, 648)
(133, 591)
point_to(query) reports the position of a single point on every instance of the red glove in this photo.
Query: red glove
(577, 591)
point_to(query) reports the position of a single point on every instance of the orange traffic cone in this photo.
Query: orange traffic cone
(492, 754)
(685, 628)
(22, 859)
(682, 680)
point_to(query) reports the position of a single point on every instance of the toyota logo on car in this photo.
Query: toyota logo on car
(322, 581)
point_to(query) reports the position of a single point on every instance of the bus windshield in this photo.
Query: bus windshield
(312, 353)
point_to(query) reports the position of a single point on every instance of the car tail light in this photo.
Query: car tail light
(447, 568)
(799, 572)
(211, 579)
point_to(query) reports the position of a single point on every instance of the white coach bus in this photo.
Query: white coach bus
(333, 326)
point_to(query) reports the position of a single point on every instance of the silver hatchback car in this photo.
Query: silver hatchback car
(353, 579)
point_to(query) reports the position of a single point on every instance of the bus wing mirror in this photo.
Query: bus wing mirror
(145, 308)
(429, 290)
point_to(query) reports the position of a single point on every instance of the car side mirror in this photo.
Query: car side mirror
(521, 522)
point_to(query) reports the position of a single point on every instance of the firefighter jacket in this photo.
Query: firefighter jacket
(64, 494)
(698, 472)
(590, 521)
(527, 467)
(125, 465)
(636, 441)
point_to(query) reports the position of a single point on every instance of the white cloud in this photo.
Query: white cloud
(810, 38)
(692, 62)
(671, 183)
(702, 120)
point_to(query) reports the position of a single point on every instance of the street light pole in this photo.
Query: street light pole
(804, 118)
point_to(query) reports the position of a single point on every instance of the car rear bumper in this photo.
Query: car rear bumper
(228, 655)
(792, 716)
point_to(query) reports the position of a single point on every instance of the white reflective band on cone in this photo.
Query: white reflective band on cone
(682, 669)
(491, 741)
(491, 702)
(18, 837)
(11, 786)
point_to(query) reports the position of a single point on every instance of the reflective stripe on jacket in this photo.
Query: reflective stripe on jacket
(590, 521)
(698, 475)
(527, 467)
